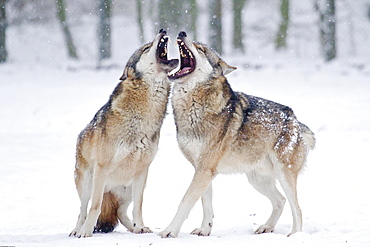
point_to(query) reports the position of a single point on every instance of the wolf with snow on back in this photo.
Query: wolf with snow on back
(115, 149)
(223, 132)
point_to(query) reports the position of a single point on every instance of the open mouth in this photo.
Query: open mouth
(162, 48)
(165, 64)
(187, 61)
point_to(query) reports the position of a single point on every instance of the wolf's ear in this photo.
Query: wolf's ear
(123, 77)
(226, 69)
(128, 72)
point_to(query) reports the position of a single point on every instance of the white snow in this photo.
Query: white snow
(46, 100)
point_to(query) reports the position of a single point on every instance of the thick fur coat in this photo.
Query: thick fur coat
(116, 148)
(221, 131)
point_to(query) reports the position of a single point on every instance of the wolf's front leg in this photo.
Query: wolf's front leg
(99, 180)
(207, 223)
(81, 217)
(200, 183)
(138, 186)
(84, 191)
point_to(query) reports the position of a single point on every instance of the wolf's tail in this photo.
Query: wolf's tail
(108, 218)
(308, 137)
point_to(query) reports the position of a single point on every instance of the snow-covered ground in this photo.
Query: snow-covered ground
(46, 100)
(43, 109)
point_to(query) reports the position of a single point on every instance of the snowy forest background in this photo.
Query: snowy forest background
(254, 29)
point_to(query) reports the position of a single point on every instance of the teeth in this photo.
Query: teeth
(168, 39)
(184, 52)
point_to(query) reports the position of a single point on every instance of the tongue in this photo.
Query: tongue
(185, 70)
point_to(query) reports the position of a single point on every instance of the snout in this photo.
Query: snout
(165, 64)
(187, 58)
(163, 31)
(182, 34)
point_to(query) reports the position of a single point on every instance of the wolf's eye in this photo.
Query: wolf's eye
(200, 49)
(146, 49)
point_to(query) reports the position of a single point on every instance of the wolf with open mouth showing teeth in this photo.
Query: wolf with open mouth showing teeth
(115, 149)
(223, 132)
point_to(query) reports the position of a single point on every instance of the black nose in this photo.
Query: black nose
(182, 34)
(163, 31)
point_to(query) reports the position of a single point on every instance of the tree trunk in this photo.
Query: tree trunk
(140, 20)
(104, 29)
(326, 9)
(281, 36)
(194, 18)
(170, 13)
(178, 15)
(238, 25)
(215, 30)
(3, 26)
(72, 53)
(190, 16)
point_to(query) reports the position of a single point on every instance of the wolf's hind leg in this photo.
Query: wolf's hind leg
(288, 181)
(83, 185)
(207, 223)
(266, 186)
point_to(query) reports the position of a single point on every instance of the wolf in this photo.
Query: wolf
(221, 131)
(115, 149)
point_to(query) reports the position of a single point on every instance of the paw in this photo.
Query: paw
(130, 229)
(140, 230)
(264, 229)
(201, 231)
(85, 232)
(82, 234)
(168, 234)
(73, 233)
(290, 234)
